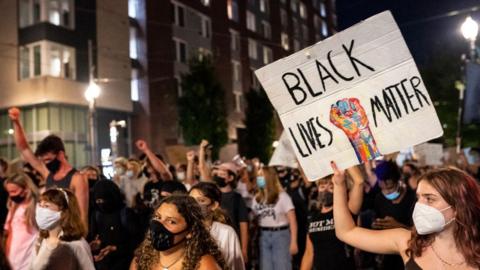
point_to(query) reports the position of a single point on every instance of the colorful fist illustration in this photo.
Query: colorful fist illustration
(348, 115)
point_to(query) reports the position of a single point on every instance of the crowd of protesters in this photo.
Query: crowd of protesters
(235, 214)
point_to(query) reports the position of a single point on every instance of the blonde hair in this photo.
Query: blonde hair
(269, 194)
(22, 180)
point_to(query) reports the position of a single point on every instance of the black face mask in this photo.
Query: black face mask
(105, 207)
(220, 181)
(162, 238)
(53, 166)
(91, 182)
(326, 198)
(17, 198)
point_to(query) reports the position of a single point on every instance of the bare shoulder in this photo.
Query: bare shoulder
(207, 262)
(78, 179)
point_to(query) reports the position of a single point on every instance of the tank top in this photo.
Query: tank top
(62, 183)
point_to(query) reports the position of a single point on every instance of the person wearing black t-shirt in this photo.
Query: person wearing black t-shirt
(324, 250)
(393, 207)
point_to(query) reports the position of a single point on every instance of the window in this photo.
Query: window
(47, 58)
(324, 29)
(267, 31)
(252, 49)
(296, 45)
(253, 79)
(57, 12)
(133, 43)
(206, 27)
(178, 82)
(205, 2)
(285, 43)
(203, 52)
(238, 101)
(234, 40)
(303, 11)
(236, 71)
(296, 28)
(251, 21)
(323, 10)
(267, 55)
(283, 17)
(264, 6)
(134, 85)
(180, 51)
(232, 10)
(178, 15)
(132, 8)
(293, 5)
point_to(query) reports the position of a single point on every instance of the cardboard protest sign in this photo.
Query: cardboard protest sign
(284, 154)
(352, 97)
(429, 153)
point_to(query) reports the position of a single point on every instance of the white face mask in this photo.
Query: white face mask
(181, 176)
(129, 174)
(429, 219)
(46, 218)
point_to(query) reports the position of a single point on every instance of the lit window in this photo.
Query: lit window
(178, 82)
(205, 2)
(57, 12)
(324, 29)
(251, 21)
(133, 43)
(178, 15)
(303, 11)
(296, 45)
(238, 101)
(264, 6)
(252, 49)
(267, 31)
(267, 55)
(132, 8)
(134, 86)
(202, 53)
(60, 60)
(232, 10)
(323, 10)
(181, 51)
(205, 27)
(236, 72)
(285, 42)
(234, 40)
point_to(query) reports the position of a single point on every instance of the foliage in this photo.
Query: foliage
(260, 125)
(202, 110)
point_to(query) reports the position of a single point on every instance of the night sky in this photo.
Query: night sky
(425, 24)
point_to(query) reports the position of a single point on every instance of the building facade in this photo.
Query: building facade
(45, 70)
(240, 35)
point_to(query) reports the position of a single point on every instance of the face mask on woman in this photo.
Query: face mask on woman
(428, 219)
(46, 218)
(261, 182)
(129, 174)
(162, 238)
(18, 198)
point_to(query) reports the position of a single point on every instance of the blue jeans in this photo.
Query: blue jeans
(275, 250)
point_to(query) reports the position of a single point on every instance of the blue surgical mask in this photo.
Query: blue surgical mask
(261, 182)
(393, 195)
(129, 174)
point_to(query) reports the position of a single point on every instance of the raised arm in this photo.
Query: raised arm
(189, 178)
(371, 176)
(202, 165)
(355, 196)
(80, 189)
(383, 242)
(157, 163)
(22, 144)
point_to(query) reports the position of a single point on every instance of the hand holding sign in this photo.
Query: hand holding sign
(348, 115)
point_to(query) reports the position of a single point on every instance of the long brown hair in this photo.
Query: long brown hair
(70, 221)
(270, 193)
(201, 243)
(462, 192)
(22, 180)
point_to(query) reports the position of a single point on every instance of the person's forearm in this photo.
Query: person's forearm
(355, 197)
(19, 136)
(202, 165)
(341, 214)
(293, 227)
(158, 165)
(189, 177)
(307, 261)
(244, 234)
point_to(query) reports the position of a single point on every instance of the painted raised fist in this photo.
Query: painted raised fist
(348, 115)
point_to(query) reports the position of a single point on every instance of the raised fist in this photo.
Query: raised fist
(141, 145)
(348, 115)
(203, 143)
(190, 155)
(14, 114)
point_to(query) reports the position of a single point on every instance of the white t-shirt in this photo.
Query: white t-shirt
(227, 241)
(79, 248)
(273, 215)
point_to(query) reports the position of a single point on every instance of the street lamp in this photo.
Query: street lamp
(469, 31)
(91, 94)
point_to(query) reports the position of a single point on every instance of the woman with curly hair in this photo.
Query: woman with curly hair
(177, 239)
(446, 234)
